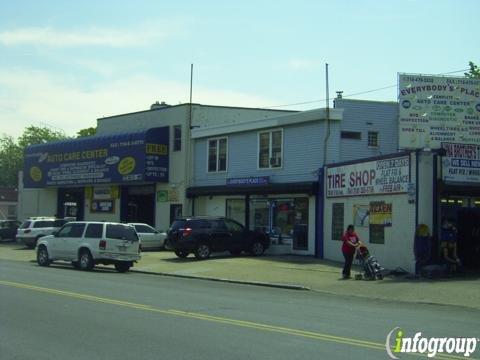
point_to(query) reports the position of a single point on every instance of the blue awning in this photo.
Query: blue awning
(121, 158)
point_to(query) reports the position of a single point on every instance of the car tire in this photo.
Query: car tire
(203, 251)
(76, 264)
(181, 254)
(122, 266)
(42, 256)
(257, 248)
(85, 260)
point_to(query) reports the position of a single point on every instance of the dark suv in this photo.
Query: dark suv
(204, 235)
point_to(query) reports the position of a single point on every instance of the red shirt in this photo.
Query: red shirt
(353, 238)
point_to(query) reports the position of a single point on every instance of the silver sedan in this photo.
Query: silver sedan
(150, 238)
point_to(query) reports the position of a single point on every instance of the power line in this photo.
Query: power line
(350, 95)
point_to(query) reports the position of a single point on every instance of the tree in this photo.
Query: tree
(11, 152)
(11, 161)
(474, 71)
(86, 132)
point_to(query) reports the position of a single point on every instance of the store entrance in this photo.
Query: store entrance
(71, 203)
(465, 213)
(138, 204)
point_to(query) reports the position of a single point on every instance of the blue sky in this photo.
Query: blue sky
(64, 64)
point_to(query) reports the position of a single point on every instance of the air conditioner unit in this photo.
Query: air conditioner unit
(276, 162)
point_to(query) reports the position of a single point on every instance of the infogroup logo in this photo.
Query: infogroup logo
(430, 346)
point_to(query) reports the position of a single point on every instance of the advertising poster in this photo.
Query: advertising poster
(380, 213)
(383, 176)
(361, 215)
(436, 109)
(96, 160)
(461, 163)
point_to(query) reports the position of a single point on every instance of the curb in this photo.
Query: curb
(224, 280)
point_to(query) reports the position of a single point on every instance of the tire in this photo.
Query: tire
(76, 265)
(203, 251)
(42, 256)
(122, 266)
(257, 248)
(85, 260)
(181, 254)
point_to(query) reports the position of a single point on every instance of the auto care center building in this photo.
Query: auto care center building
(385, 167)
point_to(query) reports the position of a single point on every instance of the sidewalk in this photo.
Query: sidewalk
(297, 272)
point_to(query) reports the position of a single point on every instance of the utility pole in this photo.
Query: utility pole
(327, 118)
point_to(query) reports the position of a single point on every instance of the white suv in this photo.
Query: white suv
(87, 243)
(34, 228)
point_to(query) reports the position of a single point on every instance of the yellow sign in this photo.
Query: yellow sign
(126, 165)
(380, 213)
(36, 173)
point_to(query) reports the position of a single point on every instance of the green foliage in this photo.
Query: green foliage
(474, 71)
(11, 152)
(11, 161)
(86, 132)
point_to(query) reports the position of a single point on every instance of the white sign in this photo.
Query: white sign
(461, 163)
(102, 192)
(435, 109)
(383, 176)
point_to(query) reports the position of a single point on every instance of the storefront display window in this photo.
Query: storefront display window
(236, 210)
(286, 220)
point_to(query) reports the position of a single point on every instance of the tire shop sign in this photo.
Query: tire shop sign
(382, 176)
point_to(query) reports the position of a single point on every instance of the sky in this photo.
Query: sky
(64, 64)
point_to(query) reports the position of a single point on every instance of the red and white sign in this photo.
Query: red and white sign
(383, 176)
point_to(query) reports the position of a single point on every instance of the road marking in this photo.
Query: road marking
(217, 319)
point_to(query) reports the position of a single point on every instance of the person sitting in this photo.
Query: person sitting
(448, 246)
(422, 248)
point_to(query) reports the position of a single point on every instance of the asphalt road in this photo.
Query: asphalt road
(61, 313)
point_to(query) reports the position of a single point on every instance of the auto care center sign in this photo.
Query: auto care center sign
(436, 109)
(461, 163)
(383, 176)
(96, 160)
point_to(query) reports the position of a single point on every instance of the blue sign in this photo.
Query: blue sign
(113, 159)
(261, 180)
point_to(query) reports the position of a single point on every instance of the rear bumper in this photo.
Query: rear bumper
(29, 241)
(116, 257)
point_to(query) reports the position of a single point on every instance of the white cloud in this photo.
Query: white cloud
(47, 36)
(39, 98)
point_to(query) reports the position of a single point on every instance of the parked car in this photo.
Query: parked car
(87, 243)
(34, 228)
(150, 238)
(8, 229)
(204, 235)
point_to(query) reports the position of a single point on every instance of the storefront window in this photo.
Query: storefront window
(236, 210)
(286, 220)
(338, 214)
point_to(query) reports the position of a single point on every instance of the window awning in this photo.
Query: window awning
(310, 188)
(121, 158)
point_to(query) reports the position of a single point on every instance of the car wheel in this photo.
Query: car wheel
(202, 252)
(42, 256)
(257, 248)
(86, 260)
(181, 254)
(122, 266)
(76, 264)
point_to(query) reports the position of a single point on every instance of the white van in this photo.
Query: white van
(87, 243)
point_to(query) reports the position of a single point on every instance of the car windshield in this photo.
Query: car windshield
(178, 224)
(123, 232)
(25, 225)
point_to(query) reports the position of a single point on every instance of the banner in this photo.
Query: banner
(380, 213)
(461, 163)
(383, 176)
(99, 160)
(436, 109)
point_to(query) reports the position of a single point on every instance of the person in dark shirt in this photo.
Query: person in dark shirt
(350, 243)
(448, 246)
